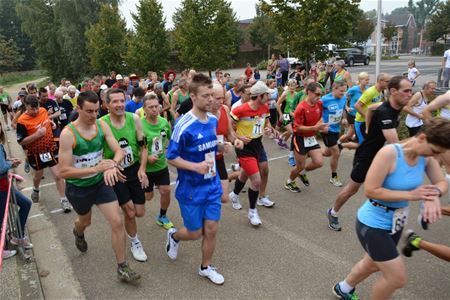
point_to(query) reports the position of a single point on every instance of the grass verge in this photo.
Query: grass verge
(7, 79)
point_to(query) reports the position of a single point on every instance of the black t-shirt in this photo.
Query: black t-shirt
(50, 106)
(66, 109)
(384, 117)
(185, 107)
(109, 82)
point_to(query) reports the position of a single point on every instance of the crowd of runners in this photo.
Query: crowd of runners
(109, 142)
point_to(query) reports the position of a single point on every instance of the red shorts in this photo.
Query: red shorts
(249, 164)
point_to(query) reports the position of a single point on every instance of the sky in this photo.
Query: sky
(245, 9)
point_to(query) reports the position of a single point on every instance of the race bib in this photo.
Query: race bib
(310, 141)
(399, 219)
(63, 116)
(220, 139)
(88, 161)
(128, 159)
(210, 157)
(286, 117)
(335, 118)
(45, 157)
(257, 130)
(157, 145)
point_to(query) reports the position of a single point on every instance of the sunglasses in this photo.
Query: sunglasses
(318, 94)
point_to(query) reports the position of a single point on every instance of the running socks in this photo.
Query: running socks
(238, 186)
(134, 240)
(345, 287)
(253, 197)
(333, 174)
(162, 212)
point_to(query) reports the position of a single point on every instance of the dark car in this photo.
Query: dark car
(352, 56)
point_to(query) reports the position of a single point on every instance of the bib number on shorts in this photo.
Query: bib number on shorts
(45, 157)
(310, 141)
(157, 145)
(257, 130)
(210, 157)
(128, 159)
(399, 219)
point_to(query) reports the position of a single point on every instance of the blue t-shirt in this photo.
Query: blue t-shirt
(403, 178)
(193, 140)
(132, 106)
(332, 111)
(354, 93)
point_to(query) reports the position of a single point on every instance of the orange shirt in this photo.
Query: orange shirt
(28, 125)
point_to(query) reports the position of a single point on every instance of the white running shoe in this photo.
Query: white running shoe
(138, 252)
(235, 202)
(254, 218)
(171, 244)
(212, 274)
(265, 201)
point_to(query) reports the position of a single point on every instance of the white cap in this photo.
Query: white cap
(119, 77)
(260, 88)
(103, 87)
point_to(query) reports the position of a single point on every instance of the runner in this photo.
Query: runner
(415, 107)
(89, 177)
(370, 96)
(307, 122)
(251, 122)
(157, 132)
(234, 94)
(192, 150)
(34, 133)
(65, 107)
(333, 108)
(181, 95)
(5, 104)
(273, 98)
(127, 130)
(341, 73)
(395, 178)
(382, 129)
(285, 107)
(136, 101)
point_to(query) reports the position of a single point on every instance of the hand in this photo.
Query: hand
(112, 176)
(227, 146)
(151, 159)
(203, 167)
(143, 179)
(322, 127)
(53, 125)
(238, 144)
(15, 162)
(268, 130)
(42, 131)
(432, 211)
(104, 165)
(425, 192)
(245, 139)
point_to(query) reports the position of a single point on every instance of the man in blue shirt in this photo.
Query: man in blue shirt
(333, 107)
(135, 103)
(192, 150)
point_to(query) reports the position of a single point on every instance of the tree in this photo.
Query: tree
(10, 28)
(371, 14)
(306, 25)
(421, 10)
(262, 31)
(362, 28)
(106, 41)
(149, 46)
(10, 57)
(389, 32)
(206, 34)
(439, 25)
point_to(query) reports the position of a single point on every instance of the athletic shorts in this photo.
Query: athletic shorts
(43, 160)
(249, 164)
(5, 109)
(413, 130)
(360, 168)
(299, 145)
(262, 155)
(221, 168)
(350, 119)
(379, 244)
(360, 130)
(83, 198)
(131, 189)
(161, 177)
(194, 215)
(330, 139)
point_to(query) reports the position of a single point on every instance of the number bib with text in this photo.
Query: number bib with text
(257, 130)
(310, 141)
(45, 157)
(210, 157)
(128, 159)
(399, 219)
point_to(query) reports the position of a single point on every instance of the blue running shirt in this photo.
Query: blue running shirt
(354, 93)
(333, 109)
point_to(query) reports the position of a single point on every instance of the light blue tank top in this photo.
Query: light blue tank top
(403, 178)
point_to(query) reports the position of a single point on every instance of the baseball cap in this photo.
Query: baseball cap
(22, 93)
(133, 76)
(260, 88)
(119, 77)
(103, 87)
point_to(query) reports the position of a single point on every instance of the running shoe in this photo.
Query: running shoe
(292, 186)
(164, 222)
(25, 242)
(291, 161)
(422, 222)
(171, 244)
(8, 253)
(235, 202)
(80, 242)
(304, 179)
(211, 273)
(346, 296)
(412, 241)
(26, 167)
(35, 196)
(66, 207)
(333, 222)
(335, 181)
(282, 144)
(138, 251)
(254, 218)
(126, 274)
(265, 201)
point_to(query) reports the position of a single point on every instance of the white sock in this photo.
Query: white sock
(62, 198)
(252, 210)
(345, 287)
(134, 240)
(303, 172)
(289, 180)
(448, 181)
(291, 153)
(333, 212)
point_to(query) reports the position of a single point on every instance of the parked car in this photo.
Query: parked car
(416, 51)
(352, 56)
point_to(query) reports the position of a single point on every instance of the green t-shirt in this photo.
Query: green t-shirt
(369, 97)
(157, 136)
(4, 98)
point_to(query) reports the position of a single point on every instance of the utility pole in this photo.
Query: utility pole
(378, 53)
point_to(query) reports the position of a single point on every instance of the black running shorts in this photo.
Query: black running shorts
(131, 189)
(158, 178)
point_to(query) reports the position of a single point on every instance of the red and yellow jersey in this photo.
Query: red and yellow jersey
(250, 123)
(28, 125)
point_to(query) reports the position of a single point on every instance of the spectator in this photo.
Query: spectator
(256, 75)
(446, 67)
(136, 102)
(283, 63)
(271, 67)
(248, 71)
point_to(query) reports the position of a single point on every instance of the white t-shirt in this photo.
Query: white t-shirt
(412, 73)
(447, 56)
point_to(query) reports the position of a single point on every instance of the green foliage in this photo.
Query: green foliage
(206, 34)
(306, 25)
(362, 28)
(371, 14)
(149, 46)
(438, 49)
(421, 10)
(439, 25)
(262, 65)
(10, 29)
(10, 57)
(262, 31)
(106, 41)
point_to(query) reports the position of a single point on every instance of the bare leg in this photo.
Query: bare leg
(349, 190)
(264, 172)
(363, 269)
(111, 211)
(82, 222)
(209, 241)
(441, 251)
(130, 218)
(393, 278)
(58, 181)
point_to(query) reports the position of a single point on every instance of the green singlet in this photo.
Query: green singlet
(157, 136)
